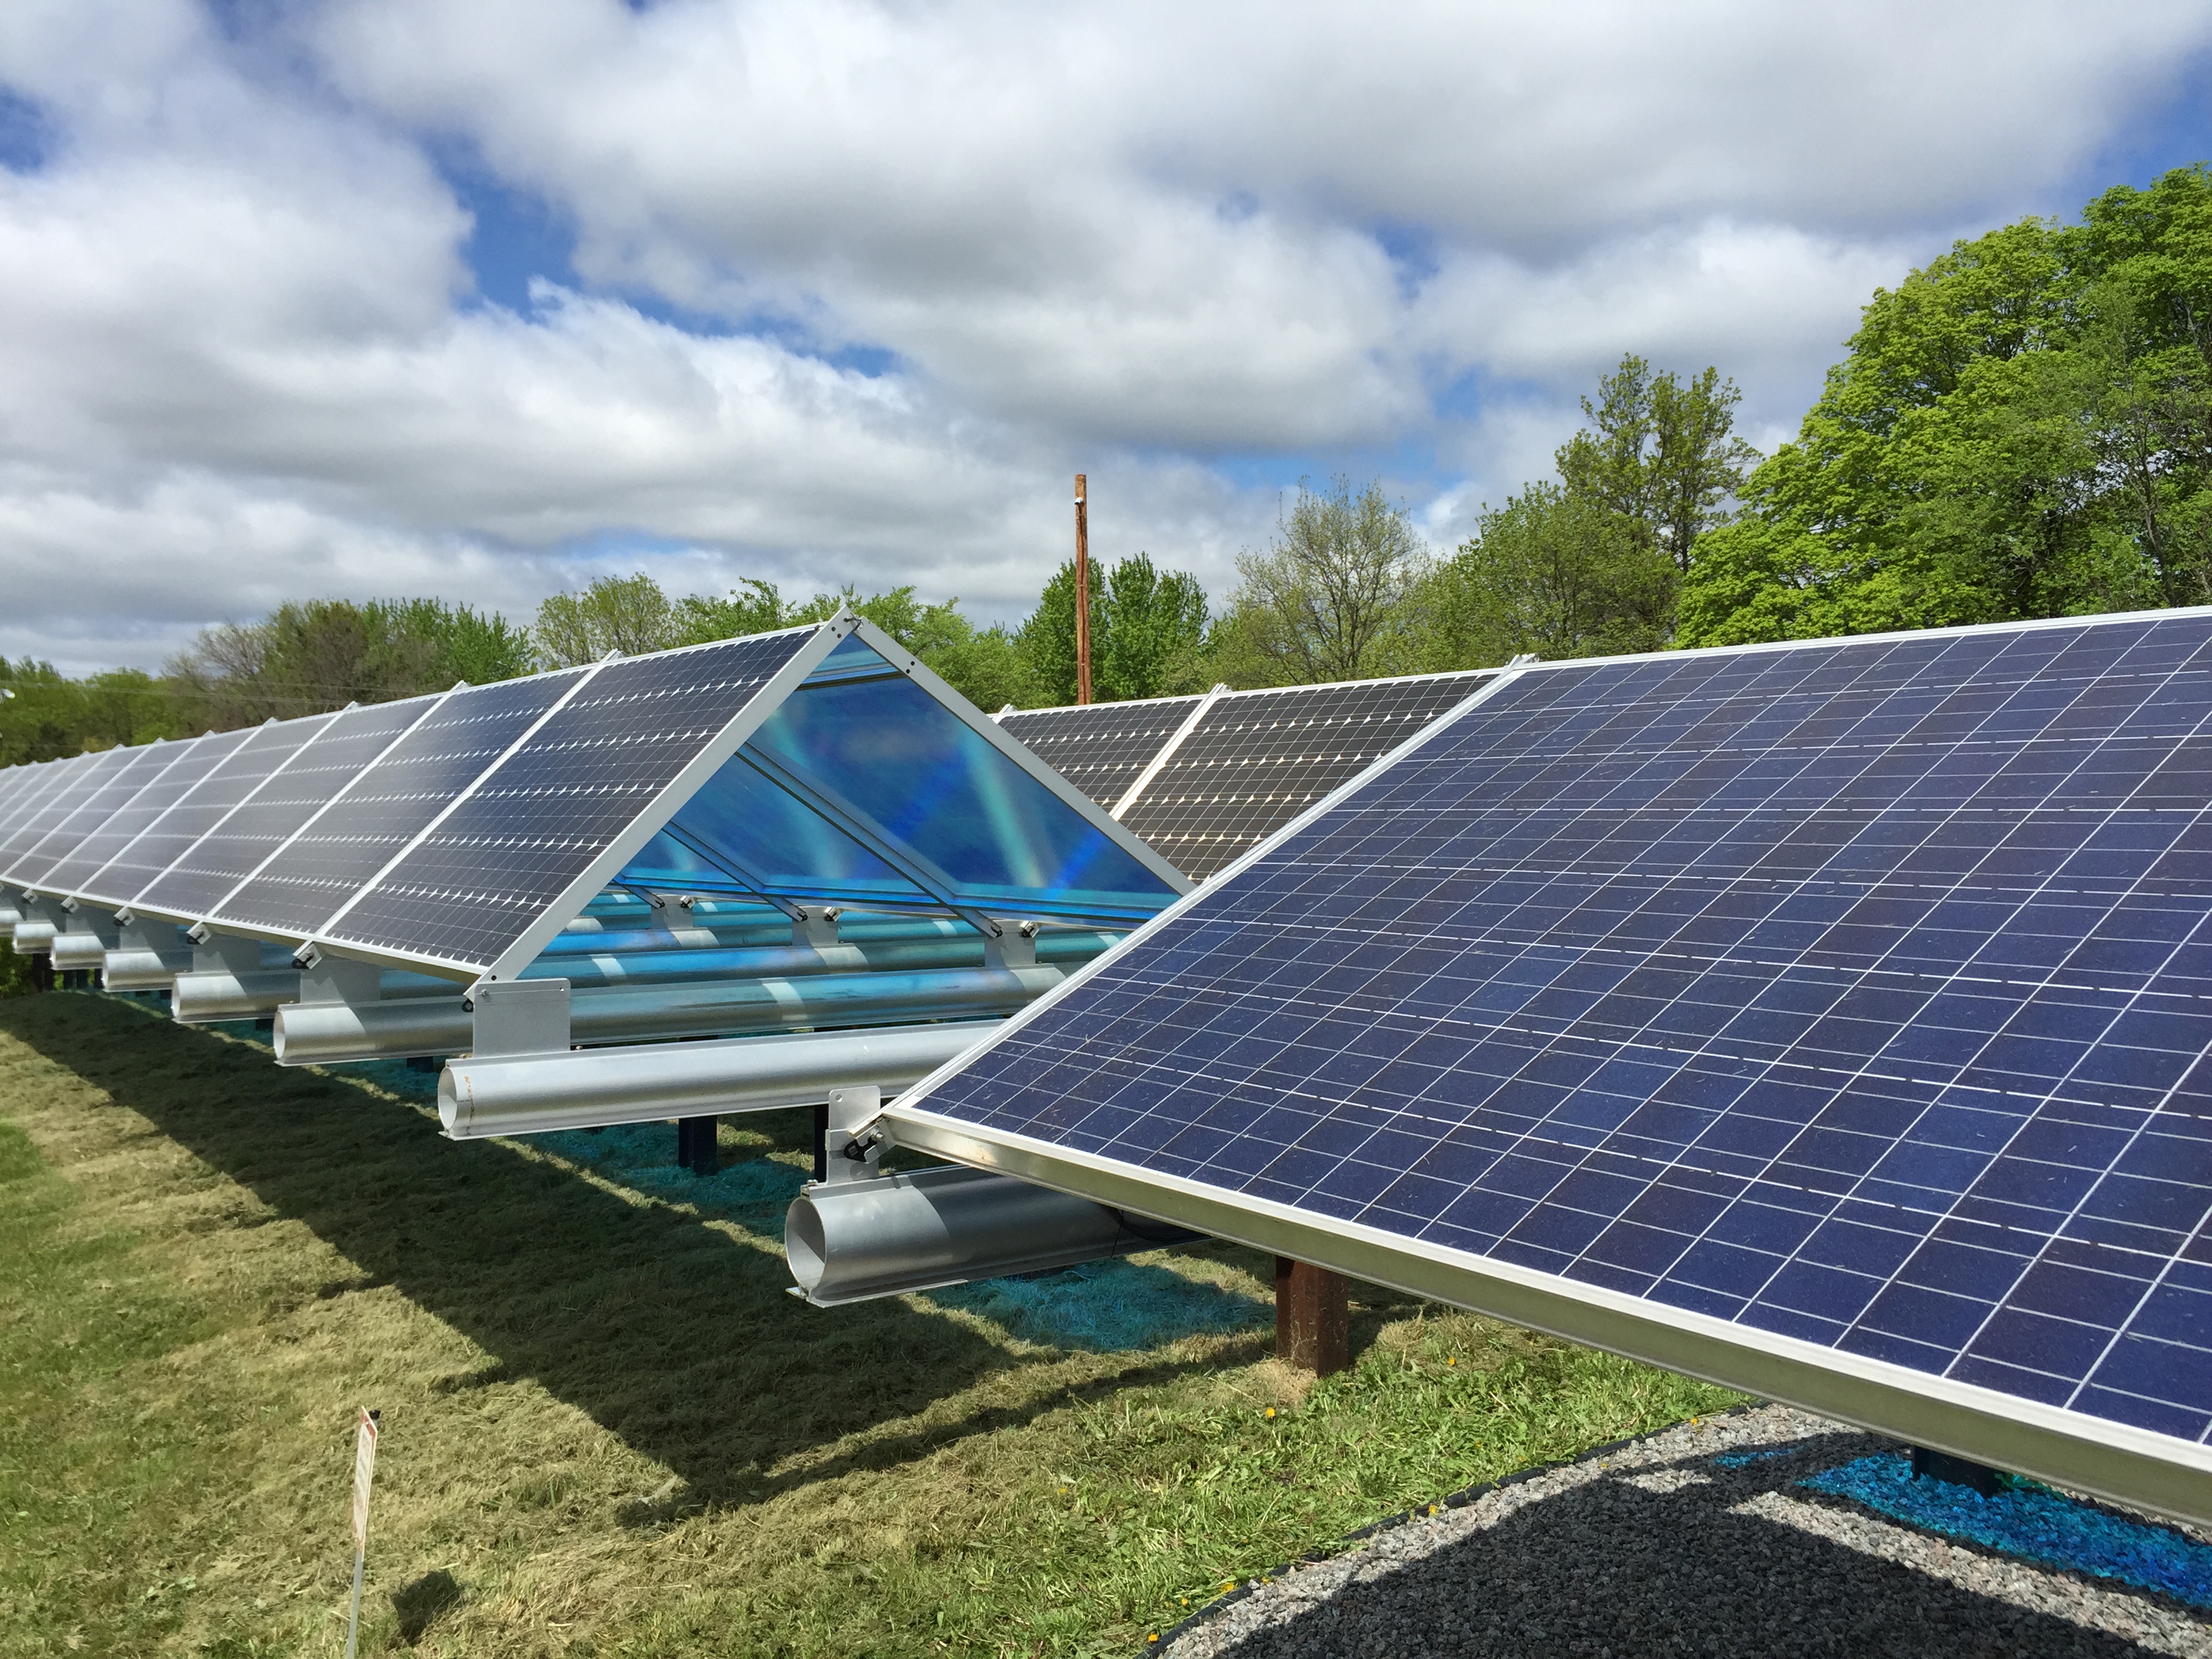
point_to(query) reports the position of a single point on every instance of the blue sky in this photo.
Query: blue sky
(484, 297)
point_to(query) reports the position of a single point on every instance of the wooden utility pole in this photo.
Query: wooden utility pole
(1312, 1325)
(1082, 593)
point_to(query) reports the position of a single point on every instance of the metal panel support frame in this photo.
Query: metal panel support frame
(852, 1146)
(519, 1018)
(91, 920)
(228, 953)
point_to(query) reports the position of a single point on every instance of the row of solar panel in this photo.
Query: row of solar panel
(434, 828)
(1226, 770)
(1855, 996)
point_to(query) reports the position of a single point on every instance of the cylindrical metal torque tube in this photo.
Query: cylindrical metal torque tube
(328, 1033)
(589, 1088)
(75, 952)
(34, 937)
(133, 970)
(214, 993)
(848, 1240)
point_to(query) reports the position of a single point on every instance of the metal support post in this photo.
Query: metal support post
(1311, 1321)
(822, 1141)
(1958, 1471)
(696, 1147)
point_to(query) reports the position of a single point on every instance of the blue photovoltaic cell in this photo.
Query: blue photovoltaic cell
(472, 886)
(21, 788)
(386, 807)
(231, 850)
(187, 763)
(1859, 992)
(69, 791)
(138, 869)
(95, 809)
(112, 866)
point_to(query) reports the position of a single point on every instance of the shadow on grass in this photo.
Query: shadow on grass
(1681, 1556)
(422, 1601)
(670, 1333)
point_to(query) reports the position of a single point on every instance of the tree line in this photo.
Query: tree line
(2022, 429)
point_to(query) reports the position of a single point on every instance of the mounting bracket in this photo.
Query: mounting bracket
(853, 1145)
(519, 1016)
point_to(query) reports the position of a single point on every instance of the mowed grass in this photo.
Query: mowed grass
(608, 1429)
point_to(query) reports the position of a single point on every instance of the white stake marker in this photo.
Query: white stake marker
(364, 1469)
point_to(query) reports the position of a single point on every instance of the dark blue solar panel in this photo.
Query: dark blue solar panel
(231, 850)
(235, 780)
(385, 807)
(472, 885)
(69, 791)
(131, 771)
(22, 789)
(1858, 991)
(188, 762)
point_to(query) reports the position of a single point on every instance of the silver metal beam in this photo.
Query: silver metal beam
(331, 1033)
(850, 1241)
(592, 1088)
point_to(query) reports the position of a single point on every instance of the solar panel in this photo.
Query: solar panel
(1100, 747)
(187, 763)
(1832, 1019)
(474, 882)
(70, 789)
(21, 788)
(142, 867)
(133, 770)
(128, 846)
(233, 850)
(1257, 759)
(385, 806)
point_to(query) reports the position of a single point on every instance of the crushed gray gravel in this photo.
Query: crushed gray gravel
(1652, 1549)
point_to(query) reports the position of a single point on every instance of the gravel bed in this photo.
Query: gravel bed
(1655, 1548)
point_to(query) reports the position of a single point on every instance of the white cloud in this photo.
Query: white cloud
(1151, 241)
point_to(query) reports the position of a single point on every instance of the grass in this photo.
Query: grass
(608, 1431)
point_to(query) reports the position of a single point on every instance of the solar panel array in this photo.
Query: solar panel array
(437, 828)
(1855, 994)
(1260, 758)
(457, 832)
(469, 886)
(1253, 761)
(1100, 747)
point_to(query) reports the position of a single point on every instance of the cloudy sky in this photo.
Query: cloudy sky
(484, 297)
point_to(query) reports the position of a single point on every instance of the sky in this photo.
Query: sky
(485, 298)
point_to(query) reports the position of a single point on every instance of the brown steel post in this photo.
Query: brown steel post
(1082, 593)
(1311, 1326)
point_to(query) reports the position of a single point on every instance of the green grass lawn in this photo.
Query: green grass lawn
(607, 1429)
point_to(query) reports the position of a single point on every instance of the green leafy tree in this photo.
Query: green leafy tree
(2020, 430)
(1329, 597)
(1147, 634)
(628, 614)
(1552, 572)
(752, 607)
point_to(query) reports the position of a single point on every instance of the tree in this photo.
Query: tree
(2020, 430)
(1326, 600)
(315, 655)
(1154, 633)
(1555, 573)
(1660, 454)
(752, 607)
(1147, 634)
(628, 614)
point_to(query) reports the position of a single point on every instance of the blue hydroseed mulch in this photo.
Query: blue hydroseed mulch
(2032, 1523)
